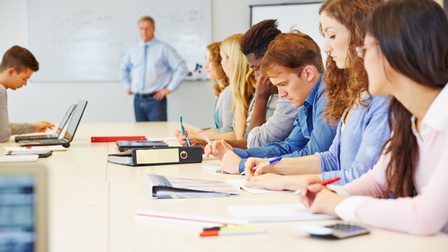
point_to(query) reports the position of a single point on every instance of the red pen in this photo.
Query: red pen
(207, 233)
(329, 181)
(324, 183)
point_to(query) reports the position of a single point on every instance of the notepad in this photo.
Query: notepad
(9, 149)
(240, 184)
(275, 212)
(18, 158)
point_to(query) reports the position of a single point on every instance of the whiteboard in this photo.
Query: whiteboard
(85, 40)
(300, 16)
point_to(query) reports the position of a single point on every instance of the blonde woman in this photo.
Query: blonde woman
(242, 83)
(223, 115)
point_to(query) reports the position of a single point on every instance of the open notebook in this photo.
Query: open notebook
(23, 207)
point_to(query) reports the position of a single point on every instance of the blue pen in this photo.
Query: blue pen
(184, 132)
(270, 162)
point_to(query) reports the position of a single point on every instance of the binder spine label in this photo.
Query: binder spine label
(157, 156)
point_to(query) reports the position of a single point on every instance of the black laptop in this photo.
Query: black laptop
(49, 136)
(69, 133)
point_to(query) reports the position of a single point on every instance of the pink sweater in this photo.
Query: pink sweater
(424, 214)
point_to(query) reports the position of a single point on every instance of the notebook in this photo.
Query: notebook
(69, 133)
(23, 204)
(49, 136)
(275, 213)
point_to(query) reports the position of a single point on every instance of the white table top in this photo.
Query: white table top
(93, 205)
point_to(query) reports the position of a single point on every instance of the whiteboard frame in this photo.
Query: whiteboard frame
(314, 32)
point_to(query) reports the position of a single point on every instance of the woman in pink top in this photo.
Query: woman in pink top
(405, 54)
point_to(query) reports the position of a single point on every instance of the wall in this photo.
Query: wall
(107, 100)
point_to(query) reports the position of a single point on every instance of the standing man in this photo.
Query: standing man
(151, 70)
(17, 66)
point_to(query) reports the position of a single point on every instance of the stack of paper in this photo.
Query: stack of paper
(163, 187)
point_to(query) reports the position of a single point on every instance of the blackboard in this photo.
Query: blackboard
(301, 16)
(85, 40)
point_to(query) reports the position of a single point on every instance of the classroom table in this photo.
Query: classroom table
(92, 206)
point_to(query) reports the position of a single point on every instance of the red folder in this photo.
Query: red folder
(103, 139)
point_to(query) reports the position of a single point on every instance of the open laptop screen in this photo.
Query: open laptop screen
(74, 121)
(22, 209)
(65, 119)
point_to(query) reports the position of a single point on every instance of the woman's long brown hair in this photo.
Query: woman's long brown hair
(424, 59)
(344, 86)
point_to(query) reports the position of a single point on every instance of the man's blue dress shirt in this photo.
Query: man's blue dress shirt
(164, 67)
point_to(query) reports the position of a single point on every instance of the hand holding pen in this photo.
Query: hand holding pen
(323, 183)
(256, 164)
(184, 132)
(319, 199)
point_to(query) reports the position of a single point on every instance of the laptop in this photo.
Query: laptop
(49, 136)
(23, 205)
(69, 133)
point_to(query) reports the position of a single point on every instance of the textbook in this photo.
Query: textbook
(158, 156)
(163, 187)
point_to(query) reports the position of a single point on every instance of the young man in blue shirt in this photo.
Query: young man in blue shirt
(300, 82)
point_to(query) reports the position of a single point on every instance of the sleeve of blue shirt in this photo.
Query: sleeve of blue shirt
(375, 132)
(178, 66)
(125, 69)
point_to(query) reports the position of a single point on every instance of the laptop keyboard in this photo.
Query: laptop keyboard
(34, 137)
(51, 141)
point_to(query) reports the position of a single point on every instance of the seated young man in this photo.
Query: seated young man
(17, 66)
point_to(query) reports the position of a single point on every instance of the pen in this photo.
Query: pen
(184, 132)
(324, 183)
(230, 228)
(270, 162)
(230, 232)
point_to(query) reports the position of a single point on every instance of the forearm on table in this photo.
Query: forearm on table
(226, 136)
(242, 144)
(259, 112)
(297, 166)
